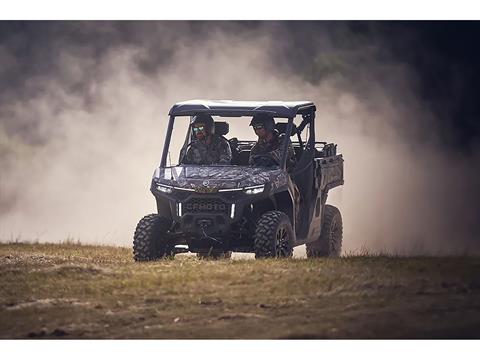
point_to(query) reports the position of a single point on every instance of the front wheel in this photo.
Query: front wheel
(329, 243)
(273, 236)
(150, 241)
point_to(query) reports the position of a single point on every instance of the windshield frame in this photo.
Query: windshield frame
(168, 136)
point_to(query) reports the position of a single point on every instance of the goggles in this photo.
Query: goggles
(198, 128)
(258, 126)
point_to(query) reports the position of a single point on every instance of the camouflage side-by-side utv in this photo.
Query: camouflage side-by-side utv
(264, 209)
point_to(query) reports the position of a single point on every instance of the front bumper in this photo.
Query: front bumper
(203, 220)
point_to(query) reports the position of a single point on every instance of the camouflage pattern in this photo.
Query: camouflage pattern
(220, 177)
(273, 149)
(217, 152)
(329, 173)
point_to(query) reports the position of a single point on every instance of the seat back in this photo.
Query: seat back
(282, 127)
(243, 157)
(221, 128)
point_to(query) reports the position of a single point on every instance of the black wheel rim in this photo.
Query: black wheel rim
(282, 242)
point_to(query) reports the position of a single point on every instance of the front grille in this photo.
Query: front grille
(212, 206)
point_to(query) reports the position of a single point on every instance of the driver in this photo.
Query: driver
(269, 142)
(207, 148)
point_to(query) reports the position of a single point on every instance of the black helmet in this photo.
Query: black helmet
(265, 119)
(205, 119)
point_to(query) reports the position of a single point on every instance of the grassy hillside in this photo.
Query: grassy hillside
(74, 291)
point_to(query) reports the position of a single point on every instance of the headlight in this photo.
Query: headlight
(252, 190)
(164, 188)
(179, 209)
(184, 189)
(229, 190)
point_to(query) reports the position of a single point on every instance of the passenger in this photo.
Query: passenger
(207, 148)
(269, 144)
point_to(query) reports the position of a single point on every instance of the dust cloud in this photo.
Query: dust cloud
(81, 133)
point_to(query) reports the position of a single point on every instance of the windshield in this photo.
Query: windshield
(188, 144)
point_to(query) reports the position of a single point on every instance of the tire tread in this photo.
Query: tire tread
(149, 242)
(321, 247)
(265, 232)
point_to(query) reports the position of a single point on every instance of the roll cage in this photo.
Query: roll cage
(277, 109)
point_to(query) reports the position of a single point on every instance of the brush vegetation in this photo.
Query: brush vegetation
(78, 291)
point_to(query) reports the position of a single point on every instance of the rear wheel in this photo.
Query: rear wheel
(150, 241)
(329, 243)
(273, 236)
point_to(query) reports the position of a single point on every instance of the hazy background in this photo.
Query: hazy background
(83, 112)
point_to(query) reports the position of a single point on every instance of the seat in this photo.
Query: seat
(221, 128)
(242, 157)
(282, 127)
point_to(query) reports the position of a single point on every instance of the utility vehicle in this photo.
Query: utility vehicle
(216, 209)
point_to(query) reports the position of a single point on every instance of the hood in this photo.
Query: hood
(220, 177)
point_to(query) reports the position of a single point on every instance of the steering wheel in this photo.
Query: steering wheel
(264, 160)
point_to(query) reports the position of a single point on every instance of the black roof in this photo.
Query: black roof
(283, 109)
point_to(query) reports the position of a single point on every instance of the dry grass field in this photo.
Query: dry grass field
(79, 291)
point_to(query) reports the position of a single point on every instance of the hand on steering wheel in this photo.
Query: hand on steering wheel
(264, 160)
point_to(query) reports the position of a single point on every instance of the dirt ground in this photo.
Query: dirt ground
(77, 291)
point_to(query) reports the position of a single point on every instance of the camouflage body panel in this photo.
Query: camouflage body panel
(217, 152)
(329, 172)
(209, 179)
